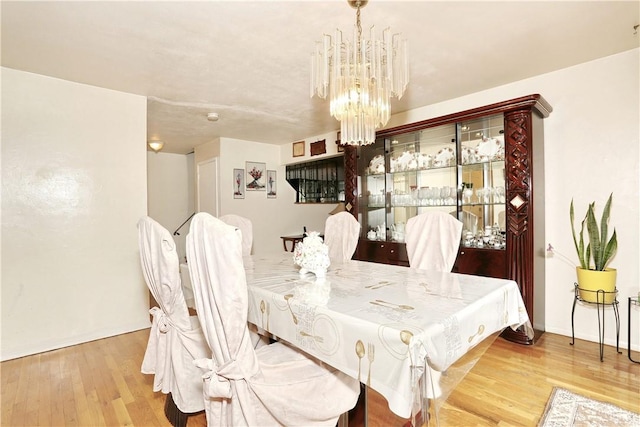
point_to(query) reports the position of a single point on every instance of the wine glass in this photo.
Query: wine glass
(467, 193)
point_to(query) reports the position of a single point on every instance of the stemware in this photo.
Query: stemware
(467, 193)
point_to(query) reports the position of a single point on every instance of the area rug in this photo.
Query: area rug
(565, 408)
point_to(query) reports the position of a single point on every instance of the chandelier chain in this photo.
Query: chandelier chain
(359, 24)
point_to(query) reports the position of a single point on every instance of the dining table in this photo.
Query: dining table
(388, 326)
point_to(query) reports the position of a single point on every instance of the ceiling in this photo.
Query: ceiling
(249, 60)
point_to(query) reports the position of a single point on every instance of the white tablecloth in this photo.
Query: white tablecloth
(380, 323)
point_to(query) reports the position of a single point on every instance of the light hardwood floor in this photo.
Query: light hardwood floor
(99, 383)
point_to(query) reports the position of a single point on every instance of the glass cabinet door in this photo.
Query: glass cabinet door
(372, 190)
(422, 175)
(458, 168)
(405, 175)
(481, 173)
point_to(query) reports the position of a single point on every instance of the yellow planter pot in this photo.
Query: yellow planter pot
(590, 281)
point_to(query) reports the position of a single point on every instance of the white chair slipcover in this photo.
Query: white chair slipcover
(176, 338)
(273, 385)
(433, 240)
(245, 226)
(258, 336)
(341, 232)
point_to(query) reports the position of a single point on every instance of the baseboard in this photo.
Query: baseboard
(44, 346)
(594, 337)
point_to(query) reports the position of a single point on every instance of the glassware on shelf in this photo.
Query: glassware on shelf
(467, 193)
(492, 237)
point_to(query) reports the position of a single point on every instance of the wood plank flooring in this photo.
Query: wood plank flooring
(99, 384)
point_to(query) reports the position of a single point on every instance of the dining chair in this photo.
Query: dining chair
(245, 226)
(341, 233)
(258, 336)
(432, 240)
(272, 385)
(176, 338)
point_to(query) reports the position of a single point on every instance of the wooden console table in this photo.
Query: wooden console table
(292, 239)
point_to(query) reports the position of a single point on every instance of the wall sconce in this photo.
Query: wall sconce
(156, 145)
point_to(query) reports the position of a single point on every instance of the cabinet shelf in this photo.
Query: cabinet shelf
(444, 205)
(480, 164)
(483, 204)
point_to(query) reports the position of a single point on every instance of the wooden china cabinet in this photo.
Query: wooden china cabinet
(478, 165)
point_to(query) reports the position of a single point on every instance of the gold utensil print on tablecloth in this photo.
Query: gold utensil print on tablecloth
(360, 353)
(391, 305)
(379, 285)
(268, 313)
(324, 326)
(389, 334)
(480, 331)
(315, 337)
(370, 355)
(263, 308)
(288, 298)
(405, 336)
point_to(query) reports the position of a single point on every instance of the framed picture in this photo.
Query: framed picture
(238, 183)
(340, 146)
(256, 176)
(298, 149)
(272, 185)
(318, 147)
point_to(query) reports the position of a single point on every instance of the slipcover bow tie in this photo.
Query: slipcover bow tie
(218, 378)
(161, 320)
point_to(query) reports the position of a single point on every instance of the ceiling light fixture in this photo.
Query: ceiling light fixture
(360, 78)
(156, 145)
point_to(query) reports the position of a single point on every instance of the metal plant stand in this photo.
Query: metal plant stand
(634, 301)
(600, 305)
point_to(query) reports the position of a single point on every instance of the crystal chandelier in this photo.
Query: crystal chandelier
(360, 78)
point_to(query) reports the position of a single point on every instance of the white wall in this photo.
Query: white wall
(271, 218)
(73, 188)
(170, 187)
(591, 149)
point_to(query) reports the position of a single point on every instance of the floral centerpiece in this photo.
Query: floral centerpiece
(312, 255)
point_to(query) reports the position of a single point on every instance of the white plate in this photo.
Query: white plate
(489, 147)
(376, 165)
(445, 155)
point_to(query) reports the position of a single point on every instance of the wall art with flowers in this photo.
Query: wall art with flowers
(256, 176)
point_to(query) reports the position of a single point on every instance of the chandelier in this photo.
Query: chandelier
(360, 78)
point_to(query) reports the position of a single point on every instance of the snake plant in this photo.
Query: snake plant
(598, 248)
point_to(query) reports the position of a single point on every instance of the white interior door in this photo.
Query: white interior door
(207, 179)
